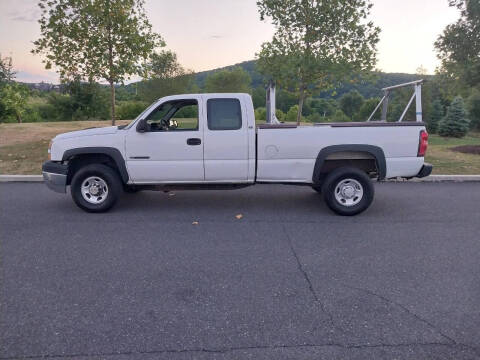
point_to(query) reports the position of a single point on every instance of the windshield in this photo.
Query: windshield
(138, 117)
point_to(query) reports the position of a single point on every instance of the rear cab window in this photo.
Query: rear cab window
(224, 114)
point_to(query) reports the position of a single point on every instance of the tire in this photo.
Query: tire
(348, 191)
(96, 188)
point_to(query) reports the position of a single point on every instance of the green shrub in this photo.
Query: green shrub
(280, 114)
(316, 118)
(340, 116)
(455, 123)
(130, 109)
(261, 114)
(292, 113)
(31, 115)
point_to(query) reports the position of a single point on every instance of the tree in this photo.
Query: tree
(316, 44)
(340, 116)
(458, 47)
(14, 99)
(351, 103)
(367, 108)
(164, 75)
(90, 100)
(323, 107)
(96, 40)
(455, 123)
(153, 89)
(163, 65)
(225, 81)
(435, 117)
(7, 74)
(473, 107)
(258, 97)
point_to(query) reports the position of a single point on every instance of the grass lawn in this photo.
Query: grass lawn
(448, 162)
(23, 147)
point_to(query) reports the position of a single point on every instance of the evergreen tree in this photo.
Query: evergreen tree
(435, 117)
(455, 123)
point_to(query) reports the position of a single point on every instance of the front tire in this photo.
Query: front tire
(348, 191)
(96, 188)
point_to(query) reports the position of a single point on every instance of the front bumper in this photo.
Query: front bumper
(55, 176)
(425, 170)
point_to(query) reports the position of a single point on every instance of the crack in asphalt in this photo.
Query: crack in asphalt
(307, 278)
(451, 341)
(404, 308)
(241, 348)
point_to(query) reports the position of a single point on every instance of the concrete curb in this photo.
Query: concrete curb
(442, 178)
(431, 178)
(21, 178)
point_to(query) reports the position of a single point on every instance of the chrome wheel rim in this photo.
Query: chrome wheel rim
(349, 192)
(94, 190)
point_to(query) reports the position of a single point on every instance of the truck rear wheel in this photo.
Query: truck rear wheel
(95, 188)
(348, 191)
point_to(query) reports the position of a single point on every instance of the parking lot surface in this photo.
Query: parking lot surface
(266, 272)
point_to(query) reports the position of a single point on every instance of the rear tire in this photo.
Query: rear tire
(348, 191)
(95, 188)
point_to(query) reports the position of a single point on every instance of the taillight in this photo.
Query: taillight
(423, 143)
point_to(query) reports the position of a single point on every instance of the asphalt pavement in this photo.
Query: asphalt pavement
(266, 272)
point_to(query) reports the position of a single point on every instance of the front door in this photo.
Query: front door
(171, 150)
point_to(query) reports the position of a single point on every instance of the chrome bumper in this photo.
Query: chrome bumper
(55, 176)
(55, 182)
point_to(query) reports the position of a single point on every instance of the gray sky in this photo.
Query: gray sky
(207, 34)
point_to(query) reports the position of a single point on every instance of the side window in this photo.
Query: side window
(224, 114)
(178, 115)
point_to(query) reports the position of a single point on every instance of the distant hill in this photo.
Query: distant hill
(370, 88)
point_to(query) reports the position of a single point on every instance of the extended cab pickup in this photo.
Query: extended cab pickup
(211, 140)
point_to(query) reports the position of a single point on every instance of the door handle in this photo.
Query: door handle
(194, 141)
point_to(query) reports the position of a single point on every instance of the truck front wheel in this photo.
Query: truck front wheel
(95, 188)
(348, 191)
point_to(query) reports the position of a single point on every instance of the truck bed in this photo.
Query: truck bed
(287, 152)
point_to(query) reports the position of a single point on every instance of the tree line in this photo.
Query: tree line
(311, 54)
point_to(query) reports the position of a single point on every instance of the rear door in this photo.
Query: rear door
(225, 140)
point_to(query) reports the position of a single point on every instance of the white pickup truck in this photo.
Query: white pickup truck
(212, 141)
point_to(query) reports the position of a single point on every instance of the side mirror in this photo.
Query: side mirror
(143, 126)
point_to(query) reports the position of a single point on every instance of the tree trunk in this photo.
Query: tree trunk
(19, 118)
(300, 104)
(112, 100)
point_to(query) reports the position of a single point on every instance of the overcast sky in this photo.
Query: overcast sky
(207, 34)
